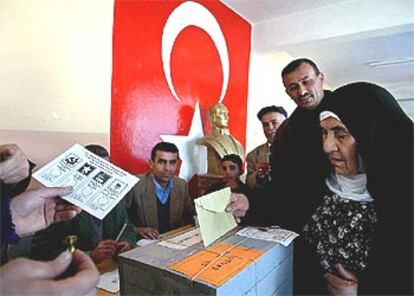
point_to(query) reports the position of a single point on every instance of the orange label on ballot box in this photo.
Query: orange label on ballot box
(217, 264)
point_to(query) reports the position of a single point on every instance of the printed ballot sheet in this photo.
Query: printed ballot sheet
(273, 234)
(109, 281)
(98, 185)
(212, 216)
(183, 241)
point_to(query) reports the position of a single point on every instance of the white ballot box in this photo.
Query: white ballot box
(233, 265)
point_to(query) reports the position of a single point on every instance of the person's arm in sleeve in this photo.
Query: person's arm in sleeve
(129, 233)
(189, 210)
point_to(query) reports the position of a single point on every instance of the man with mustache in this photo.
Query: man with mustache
(297, 159)
(298, 163)
(258, 168)
(159, 202)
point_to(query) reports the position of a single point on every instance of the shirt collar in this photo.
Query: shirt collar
(162, 193)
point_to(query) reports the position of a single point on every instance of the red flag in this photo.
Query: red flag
(166, 56)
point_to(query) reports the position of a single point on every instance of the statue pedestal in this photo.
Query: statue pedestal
(198, 184)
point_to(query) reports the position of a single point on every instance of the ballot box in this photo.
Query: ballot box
(233, 265)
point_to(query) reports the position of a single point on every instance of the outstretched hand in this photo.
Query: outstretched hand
(36, 209)
(238, 206)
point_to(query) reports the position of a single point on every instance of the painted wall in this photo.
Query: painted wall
(55, 76)
(43, 146)
(169, 56)
(56, 65)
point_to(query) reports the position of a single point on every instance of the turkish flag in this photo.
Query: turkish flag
(167, 55)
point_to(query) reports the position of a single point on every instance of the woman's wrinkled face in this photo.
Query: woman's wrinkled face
(340, 147)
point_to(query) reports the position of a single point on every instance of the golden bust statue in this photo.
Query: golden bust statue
(219, 142)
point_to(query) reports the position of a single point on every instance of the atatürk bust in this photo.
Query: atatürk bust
(219, 142)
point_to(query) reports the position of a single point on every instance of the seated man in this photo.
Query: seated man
(159, 202)
(231, 168)
(258, 169)
(95, 235)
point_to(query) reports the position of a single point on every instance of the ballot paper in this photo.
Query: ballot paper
(213, 219)
(145, 242)
(274, 234)
(109, 281)
(183, 241)
(98, 185)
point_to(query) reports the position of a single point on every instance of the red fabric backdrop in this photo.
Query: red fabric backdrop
(143, 106)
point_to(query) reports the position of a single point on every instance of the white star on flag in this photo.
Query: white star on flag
(193, 155)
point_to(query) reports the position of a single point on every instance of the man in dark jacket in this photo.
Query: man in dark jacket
(298, 165)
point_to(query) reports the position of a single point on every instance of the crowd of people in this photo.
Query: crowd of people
(338, 171)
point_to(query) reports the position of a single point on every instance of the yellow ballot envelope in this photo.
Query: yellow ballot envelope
(212, 216)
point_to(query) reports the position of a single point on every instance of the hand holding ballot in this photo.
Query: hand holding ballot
(98, 185)
(215, 213)
(238, 206)
(36, 209)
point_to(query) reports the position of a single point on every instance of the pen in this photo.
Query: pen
(122, 231)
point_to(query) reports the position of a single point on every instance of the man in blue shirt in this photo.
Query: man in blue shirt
(159, 202)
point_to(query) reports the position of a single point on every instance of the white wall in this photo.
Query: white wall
(265, 89)
(55, 74)
(56, 63)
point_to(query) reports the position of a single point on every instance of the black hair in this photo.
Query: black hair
(233, 158)
(273, 108)
(164, 146)
(98, 150)
(295, 64)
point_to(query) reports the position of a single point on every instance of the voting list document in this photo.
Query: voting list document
(98, 185)
(273, 234)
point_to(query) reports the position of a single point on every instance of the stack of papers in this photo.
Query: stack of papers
(278, 235)
(183, 241)
(109, 281)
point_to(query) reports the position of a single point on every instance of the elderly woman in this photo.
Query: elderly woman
(369, 143)
(362, 231)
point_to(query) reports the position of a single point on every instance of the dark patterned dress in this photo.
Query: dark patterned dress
(341, 231)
